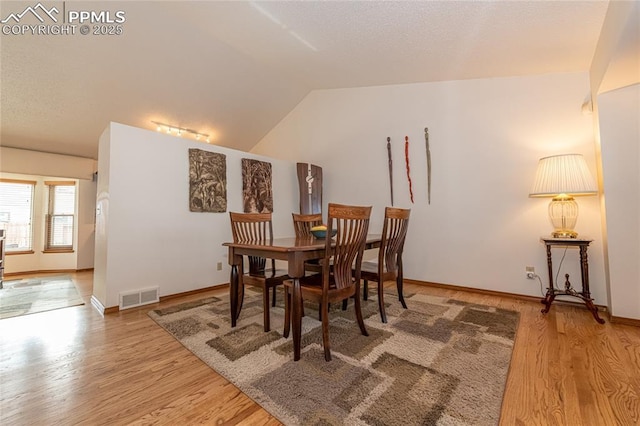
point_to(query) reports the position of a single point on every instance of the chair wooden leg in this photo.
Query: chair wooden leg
(399, 283)
(383, 314)
(265, 309)
(233, 294)
(320, 310)
(359, 312)
(399, 287)
(325, 332)
(240, 300)
(344, 304)
(287, 312)
(273, 302)
(365, 290)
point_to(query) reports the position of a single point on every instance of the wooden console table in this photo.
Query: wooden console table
(584, 295)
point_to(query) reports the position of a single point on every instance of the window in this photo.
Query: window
(60, 217)
(16, 212)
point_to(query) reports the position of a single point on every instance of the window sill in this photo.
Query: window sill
(48, 251)
(11, 253)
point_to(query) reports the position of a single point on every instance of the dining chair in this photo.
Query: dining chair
(302, 224)
(251, 228)
(336, 282)
(389, 264)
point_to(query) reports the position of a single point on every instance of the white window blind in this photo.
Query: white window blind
(16, 212)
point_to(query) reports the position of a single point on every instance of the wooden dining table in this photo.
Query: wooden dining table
(295, 251)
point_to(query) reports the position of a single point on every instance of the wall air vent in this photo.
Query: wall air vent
(131, 299)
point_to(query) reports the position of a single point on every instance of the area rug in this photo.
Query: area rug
(32, 295)
(439, 362)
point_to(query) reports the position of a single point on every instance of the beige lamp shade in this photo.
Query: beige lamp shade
(562, 177)
(563, 174)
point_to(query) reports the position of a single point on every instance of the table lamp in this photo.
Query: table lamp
(562, 177)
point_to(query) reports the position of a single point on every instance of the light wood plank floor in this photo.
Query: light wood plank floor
(72, 366)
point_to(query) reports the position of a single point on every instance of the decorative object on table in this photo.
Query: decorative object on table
(406, 157)
(562, 177)
(257, 193)
(33, 295)
(320, 231)
(207, 181)
(390, 168)
(310, 185)
(426, 139)
(441, 361)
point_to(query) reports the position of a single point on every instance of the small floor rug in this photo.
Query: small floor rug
(31, 295)
(439, 362)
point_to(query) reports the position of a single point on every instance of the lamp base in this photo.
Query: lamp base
(563, 212)
(564, 233)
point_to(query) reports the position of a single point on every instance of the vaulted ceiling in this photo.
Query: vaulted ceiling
(235, 69)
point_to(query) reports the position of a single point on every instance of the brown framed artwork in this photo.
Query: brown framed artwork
(207, 181)
(257, 193)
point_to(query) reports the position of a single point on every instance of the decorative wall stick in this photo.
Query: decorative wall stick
(390, 168)
(310, 187)
(426, 138)
(406, 156)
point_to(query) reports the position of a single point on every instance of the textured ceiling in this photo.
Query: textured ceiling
(235, 69)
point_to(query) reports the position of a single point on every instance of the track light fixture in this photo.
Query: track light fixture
(169, 128)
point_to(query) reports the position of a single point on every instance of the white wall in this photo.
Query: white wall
(481, 229)
(619, 112)
(13, 160)
(616, 60)
(86, 224)
(145, 234)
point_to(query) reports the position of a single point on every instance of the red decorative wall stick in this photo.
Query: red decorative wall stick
(406, 157)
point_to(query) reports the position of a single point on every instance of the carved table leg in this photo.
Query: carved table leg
(548, 300)
(586, 293)
(550, 296)
(594, 310)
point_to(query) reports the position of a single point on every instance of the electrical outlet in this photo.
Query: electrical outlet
(531, 272)
(219, 266)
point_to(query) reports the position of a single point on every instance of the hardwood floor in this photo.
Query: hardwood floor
(72, 366)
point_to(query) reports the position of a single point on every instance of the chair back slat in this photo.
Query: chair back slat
(352, 225)
(302, 224)
(394, 232)
(253, 228)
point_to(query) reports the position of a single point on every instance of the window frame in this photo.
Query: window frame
(8, 250)
(50, 216)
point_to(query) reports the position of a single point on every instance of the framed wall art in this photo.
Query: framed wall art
(257, 195)
(207, 181)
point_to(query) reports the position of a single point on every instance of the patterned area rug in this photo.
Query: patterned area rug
(441, 361)
(28, 296)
